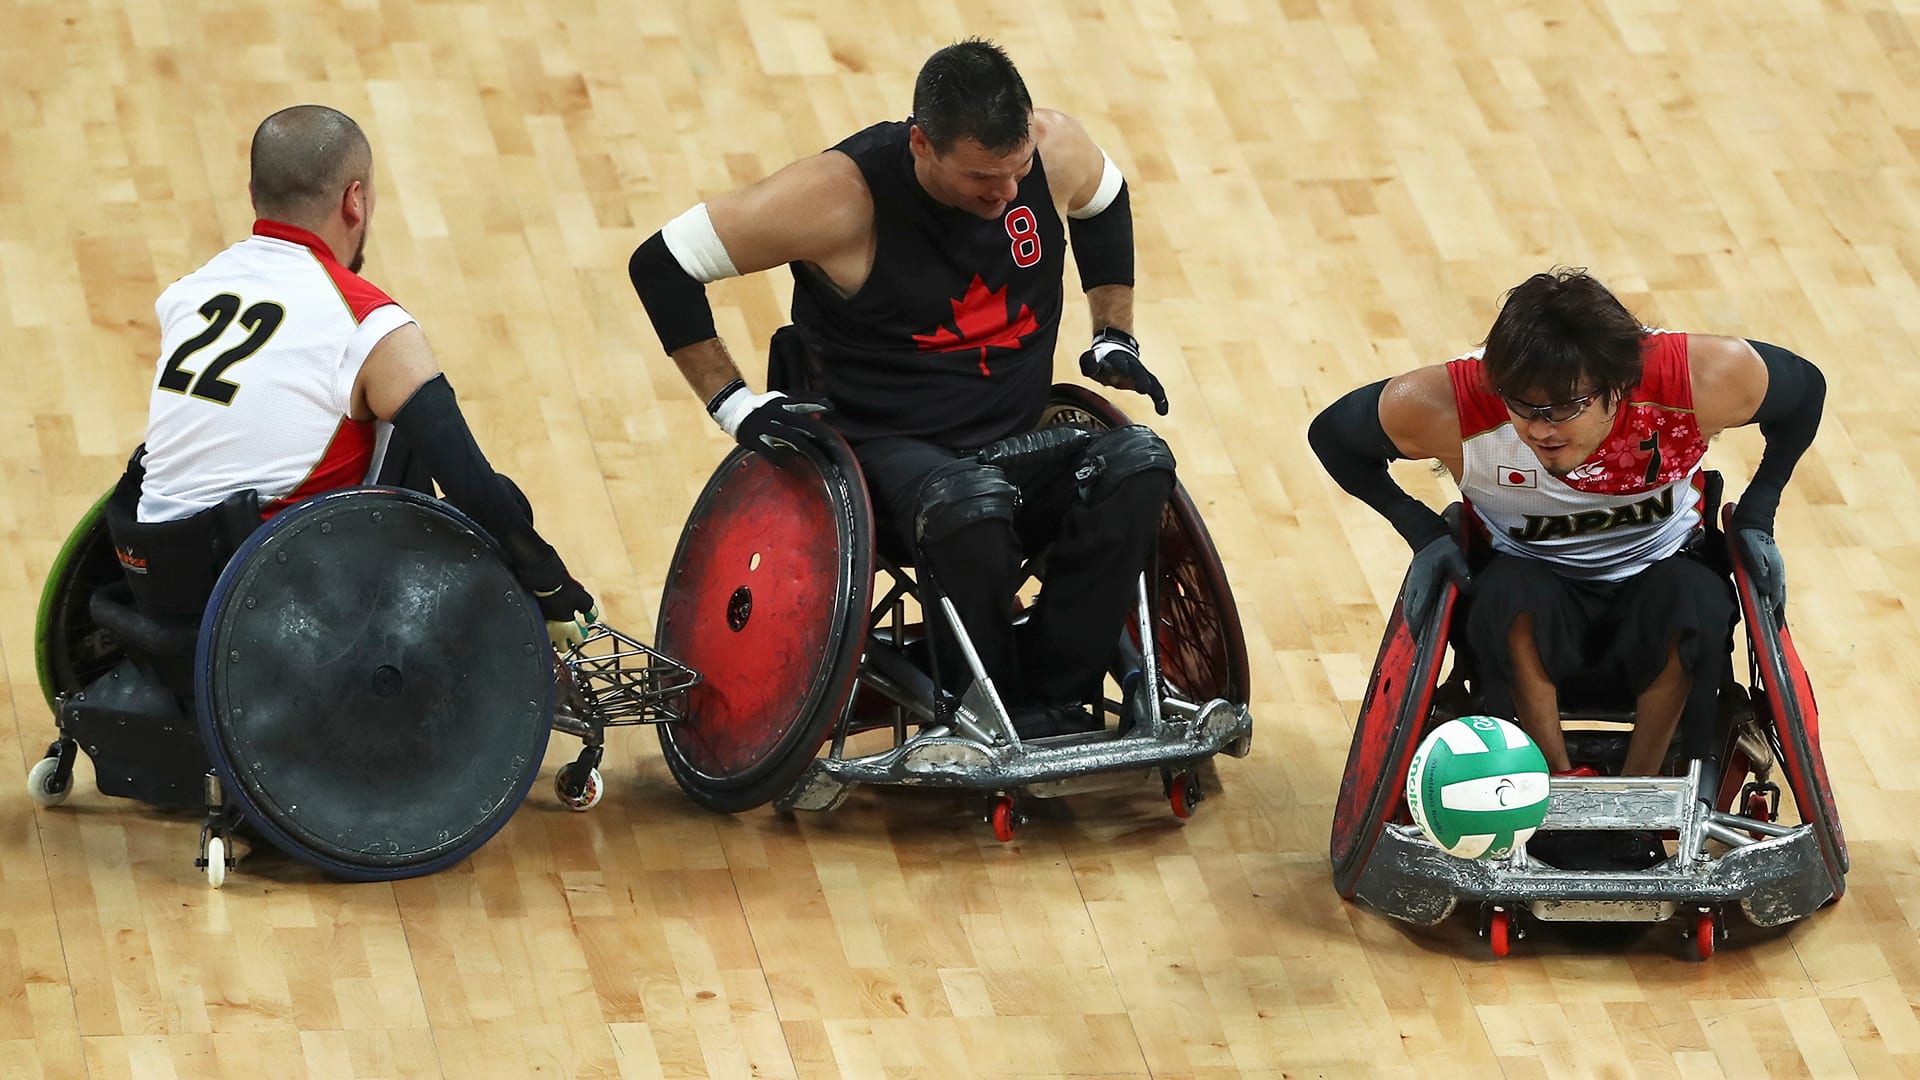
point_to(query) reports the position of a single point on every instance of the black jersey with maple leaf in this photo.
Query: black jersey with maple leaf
(951, 337)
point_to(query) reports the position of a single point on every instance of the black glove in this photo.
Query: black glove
(566, 604)
(1114, 360)
(1427, 576)
(1752, 527)
(767, 423)
(1764, 563)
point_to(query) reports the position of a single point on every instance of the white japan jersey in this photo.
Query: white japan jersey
(1633, 502)
(259, 350)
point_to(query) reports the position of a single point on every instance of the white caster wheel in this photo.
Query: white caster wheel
(589, 796)
(217, 862)
(42, 787)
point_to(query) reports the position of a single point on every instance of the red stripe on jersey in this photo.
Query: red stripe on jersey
(362, 296)
(1479, 407)
(1665, 377)
(344, 463)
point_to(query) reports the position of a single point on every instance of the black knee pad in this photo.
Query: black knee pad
(1119, 455)
(961, 493)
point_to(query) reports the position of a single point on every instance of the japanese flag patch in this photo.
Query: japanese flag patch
(1511, 477)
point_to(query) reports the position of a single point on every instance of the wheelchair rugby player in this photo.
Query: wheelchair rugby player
(1592, 566)
(927, 258)
(323, 635)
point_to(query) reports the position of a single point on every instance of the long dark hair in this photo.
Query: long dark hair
(1561, 334)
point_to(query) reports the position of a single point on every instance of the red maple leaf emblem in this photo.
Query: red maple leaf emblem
(981, 319)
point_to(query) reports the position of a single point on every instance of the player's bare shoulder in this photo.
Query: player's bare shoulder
(1074, 161)
(816, 209)
(1729, 381)
(1418, 412)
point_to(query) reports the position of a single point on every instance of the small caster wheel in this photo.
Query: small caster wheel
(1705, 927)
(47, 785)
(1757, 808)
(1499, 931)
(1003, 818)
(1184, 794)
(216, 861)
(573, 794)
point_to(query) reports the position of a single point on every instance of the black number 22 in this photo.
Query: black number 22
(260, 320)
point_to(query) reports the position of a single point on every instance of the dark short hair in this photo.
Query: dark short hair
(1561, 334)
(302, 156)
(971, 90)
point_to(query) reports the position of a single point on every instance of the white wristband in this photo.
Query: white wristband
(735, 406)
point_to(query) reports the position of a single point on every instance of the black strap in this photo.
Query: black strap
(1103, 244)
(675, 302)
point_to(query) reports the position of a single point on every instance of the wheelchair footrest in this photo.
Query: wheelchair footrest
(1621, 802)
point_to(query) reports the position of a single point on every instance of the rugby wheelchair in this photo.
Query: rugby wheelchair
(799, 623)
(1734, 844)
(369, 688)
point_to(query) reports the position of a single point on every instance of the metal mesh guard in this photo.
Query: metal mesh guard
(617, 680)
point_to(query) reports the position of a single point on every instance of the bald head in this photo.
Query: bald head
(303, 157)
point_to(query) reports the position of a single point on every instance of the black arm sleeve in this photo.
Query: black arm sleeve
(675, 302)
(1103, 243)
(1354, 448)
(433, 425)
(1788, 416)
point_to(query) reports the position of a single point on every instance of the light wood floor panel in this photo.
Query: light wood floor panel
(1325, 192)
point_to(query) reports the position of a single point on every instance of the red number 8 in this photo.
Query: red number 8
(1025, 233)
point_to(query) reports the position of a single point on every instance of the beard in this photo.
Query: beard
(359, 256)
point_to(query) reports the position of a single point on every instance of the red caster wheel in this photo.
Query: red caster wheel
(1184, 794)
(1499, 929)
(1003, 818)
(1705, 926)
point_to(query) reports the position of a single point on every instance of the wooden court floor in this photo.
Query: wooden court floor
(1326, 193)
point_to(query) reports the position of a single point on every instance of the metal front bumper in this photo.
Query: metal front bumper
(1773, 881)
(1044, 768)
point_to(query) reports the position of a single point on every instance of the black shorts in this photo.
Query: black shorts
(1600, 632)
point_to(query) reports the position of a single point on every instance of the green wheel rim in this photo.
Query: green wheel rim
(50, 595)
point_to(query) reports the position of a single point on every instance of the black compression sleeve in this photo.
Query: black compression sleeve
(1788, 416)
(675, 302)
(1103, 243)
(433, 425)
(1354, 448)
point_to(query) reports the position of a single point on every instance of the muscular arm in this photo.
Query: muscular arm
(1729, 381)
(1075, 169)
(1411, 416)
(1111, 305)
(394, 369)
(1737, 382)
(401, 383)
(815, 210)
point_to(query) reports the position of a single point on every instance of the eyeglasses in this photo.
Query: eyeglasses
(1559, 412)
